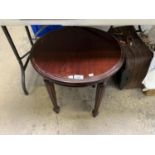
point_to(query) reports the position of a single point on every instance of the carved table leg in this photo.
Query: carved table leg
(52, 94)
(99, 93)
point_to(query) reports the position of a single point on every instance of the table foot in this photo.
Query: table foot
(94, 113)
(56, 109)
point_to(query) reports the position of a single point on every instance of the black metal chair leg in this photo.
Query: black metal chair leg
(19, 59)
(23, 82)
(29, 35)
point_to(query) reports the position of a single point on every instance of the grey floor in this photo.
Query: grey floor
(121, 111)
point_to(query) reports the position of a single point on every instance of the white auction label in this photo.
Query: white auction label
(78, 77)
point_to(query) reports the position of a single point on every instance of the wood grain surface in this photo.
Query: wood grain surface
(60, 55)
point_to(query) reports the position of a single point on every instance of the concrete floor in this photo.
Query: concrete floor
(121, 111)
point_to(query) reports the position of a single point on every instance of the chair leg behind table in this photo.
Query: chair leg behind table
(51, 91)
(29, 35)
(98, 98)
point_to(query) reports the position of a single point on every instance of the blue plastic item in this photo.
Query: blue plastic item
(41, 30)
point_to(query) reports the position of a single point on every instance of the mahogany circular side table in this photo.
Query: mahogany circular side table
(76, 57)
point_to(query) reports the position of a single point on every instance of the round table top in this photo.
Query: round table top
(76, 55)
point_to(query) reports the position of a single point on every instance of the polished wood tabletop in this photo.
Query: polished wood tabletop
(76, 55)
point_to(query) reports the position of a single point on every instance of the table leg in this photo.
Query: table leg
(52, 94)
(99, 93)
